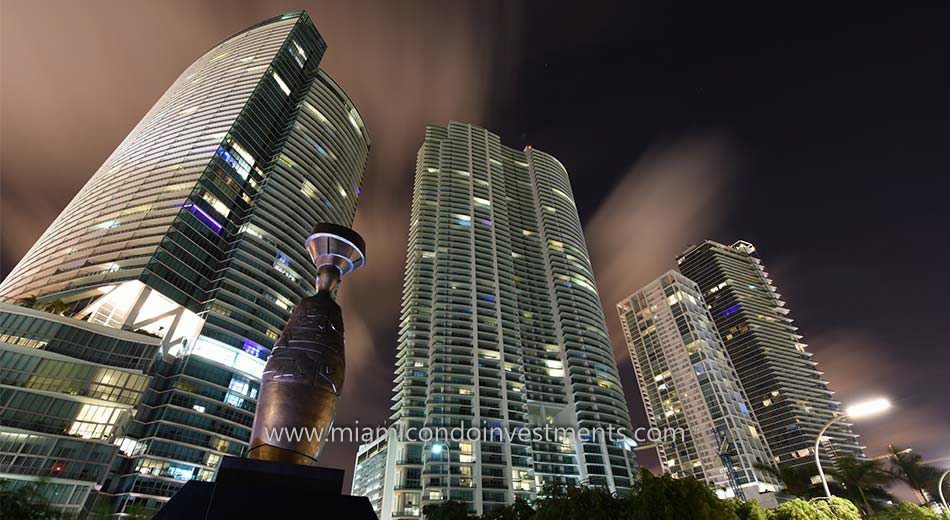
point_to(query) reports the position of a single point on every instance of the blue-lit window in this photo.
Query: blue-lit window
(234, 400)
(182, 472)
(204, 217)
(743, 408)
(239, 385)
(730, 310)
(235, 161)
(253, 348)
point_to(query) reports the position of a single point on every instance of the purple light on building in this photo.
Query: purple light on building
(204, 217)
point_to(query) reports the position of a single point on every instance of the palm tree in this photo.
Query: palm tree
(796, 481)
(910, 468)
(27, 301)
(55, 307)
(859, 477)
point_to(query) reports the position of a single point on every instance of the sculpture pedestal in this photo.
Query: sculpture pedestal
(247, 488)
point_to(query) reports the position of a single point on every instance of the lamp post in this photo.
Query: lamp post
(872, 407)
(940, 490)
(437, 450)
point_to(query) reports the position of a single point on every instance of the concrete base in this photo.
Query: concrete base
(255, 489)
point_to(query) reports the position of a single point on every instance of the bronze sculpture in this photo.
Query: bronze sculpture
(303, 378)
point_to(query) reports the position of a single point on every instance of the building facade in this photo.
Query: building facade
(789, 397)
(501, 329)
(193, 230)
(689, 385)
(68, 390)
(374, 464)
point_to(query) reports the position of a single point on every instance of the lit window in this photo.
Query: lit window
(280, 82)
(108, 224)
(297, 52)
(240, 385)
(563, 195)
(316, 113)
(204, 217)
(355, 119)
(216, 204)
(241, 160)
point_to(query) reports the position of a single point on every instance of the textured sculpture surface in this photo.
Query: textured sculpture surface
(310, 350)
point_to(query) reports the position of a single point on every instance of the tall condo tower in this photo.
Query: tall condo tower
(193, 230)
(788, 395)
(501, 328)
(689, 384)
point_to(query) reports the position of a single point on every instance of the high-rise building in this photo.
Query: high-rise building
(68, 388)
(369, 476)
(193, 229)
(789, 397)
(689, 385)
(501, 329)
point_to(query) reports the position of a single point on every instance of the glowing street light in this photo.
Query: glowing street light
(856, 411)
(940, 489)
(872, 407)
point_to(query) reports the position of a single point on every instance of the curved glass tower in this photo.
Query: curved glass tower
(193, 230)
(688, 382)
(501, 327)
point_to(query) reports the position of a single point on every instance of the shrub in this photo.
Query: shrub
(906, 511)
(834, 509)
(837, 509)
(797, 509)
(748, 510)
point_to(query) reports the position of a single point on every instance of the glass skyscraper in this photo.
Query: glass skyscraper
(193, 230)
(688, 383)
(68, 388)
(788, 395)
(501, 328)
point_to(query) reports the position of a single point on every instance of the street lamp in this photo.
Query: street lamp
(856, 411)
(437, 450)
(940, 490)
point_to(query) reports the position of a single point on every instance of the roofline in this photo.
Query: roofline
(300, 15)
(669, 272)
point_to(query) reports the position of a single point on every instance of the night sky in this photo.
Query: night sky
(818, 135)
